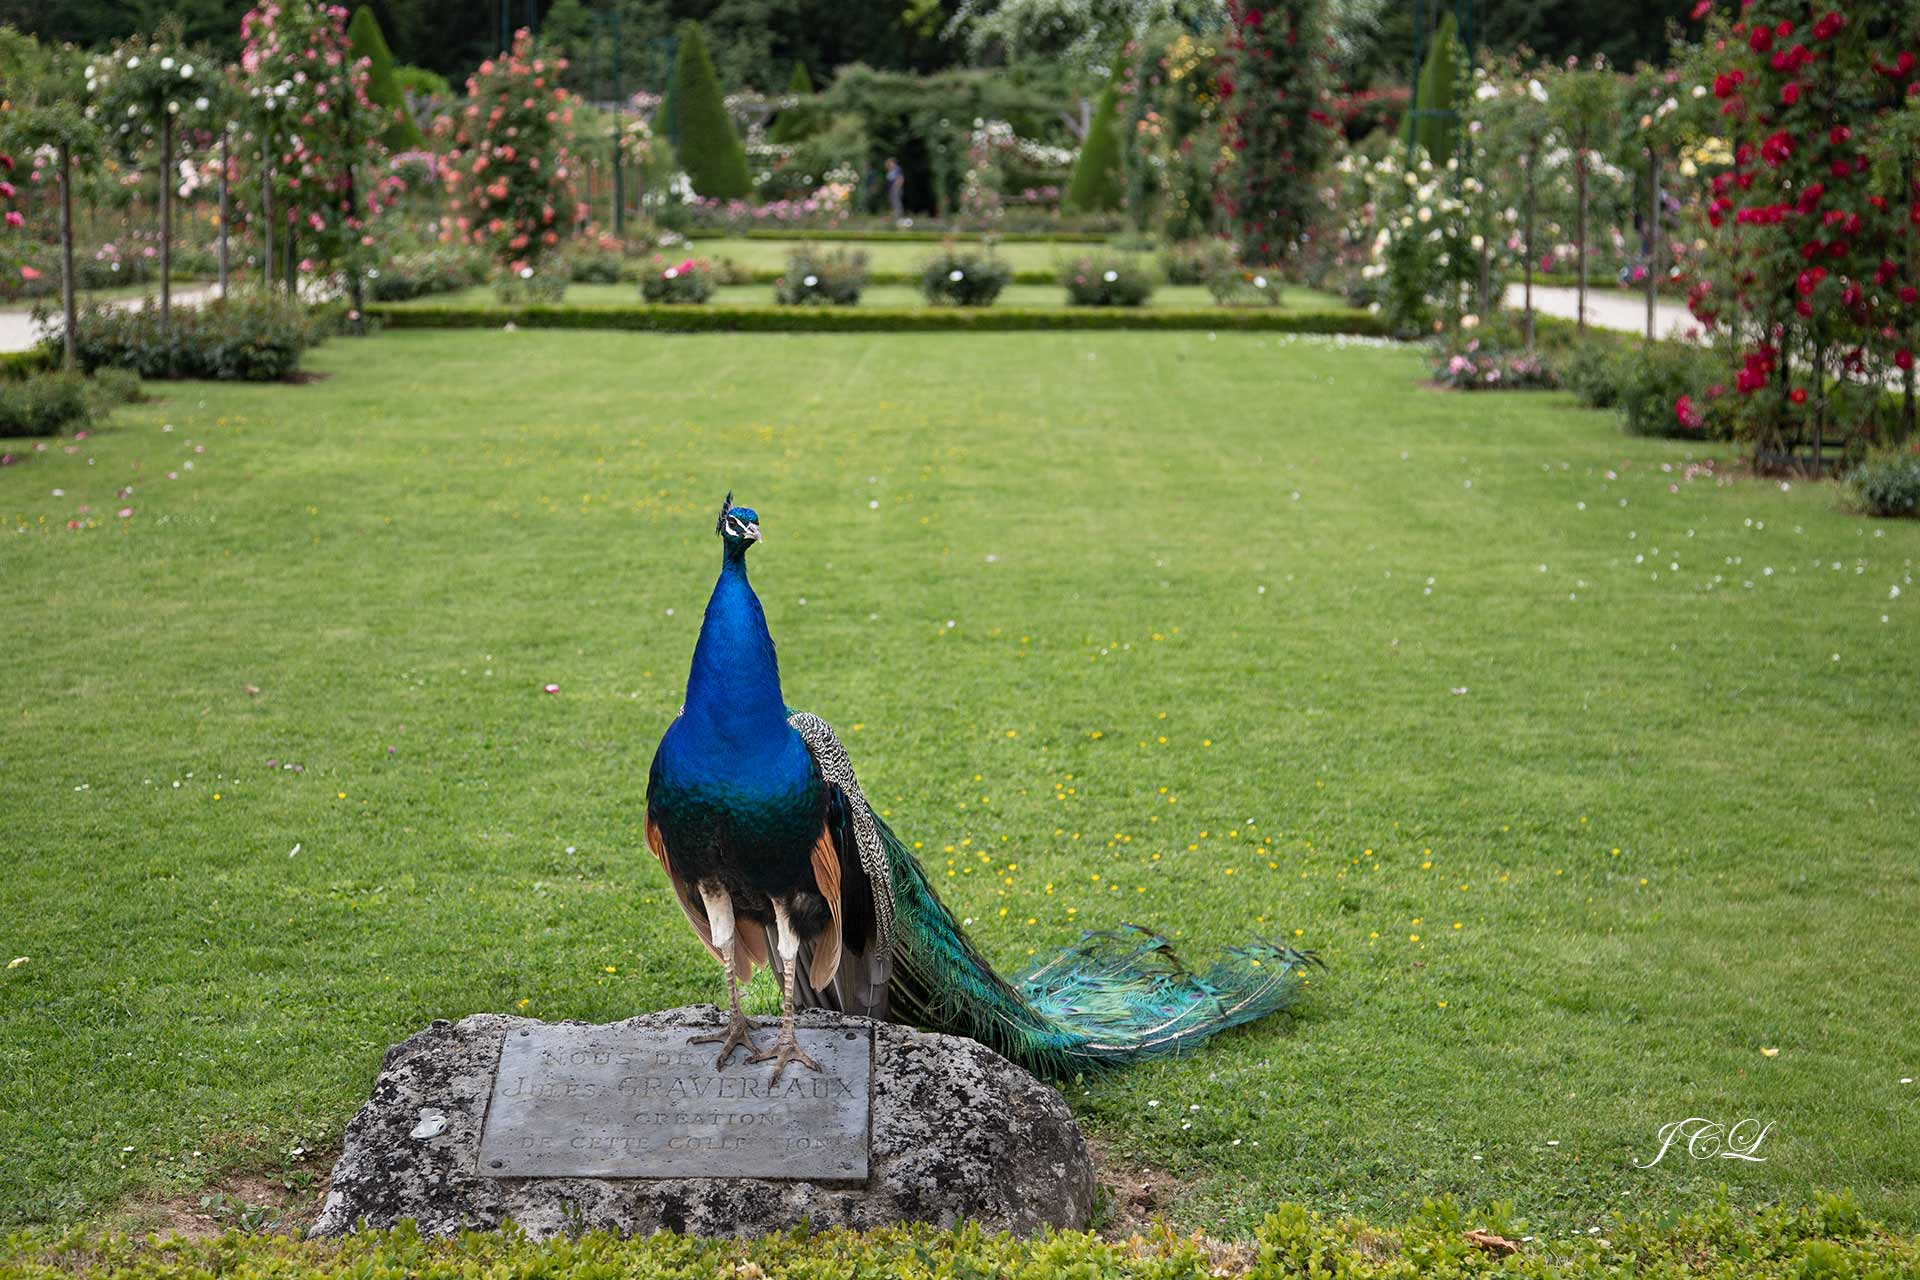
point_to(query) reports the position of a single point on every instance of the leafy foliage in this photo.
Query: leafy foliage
(702, 132)
(1434, 120)
(44, 404)
(1197, 261)
(1170, 112)
(314, 125)
(383, 89)
(1096, 183)
(247, 340)
(1277, 125)
(816, 277)
(688, 281)
(1888, 483)
(1106, 280)
(508, 172)
(1814, 278)
(962, 279)
(545, 284)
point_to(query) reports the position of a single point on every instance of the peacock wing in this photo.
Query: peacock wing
(850, 970)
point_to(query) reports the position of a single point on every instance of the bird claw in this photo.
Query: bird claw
(736, 1036)
(785, 1051)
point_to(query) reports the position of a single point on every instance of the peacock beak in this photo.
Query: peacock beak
(753, 532)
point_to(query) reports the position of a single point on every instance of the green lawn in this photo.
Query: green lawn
(1593, 782)
(880, 295)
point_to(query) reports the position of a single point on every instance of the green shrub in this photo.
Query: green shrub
(531, 284)
(1236, 286)
(703, 134)
(1829, 1240)
(442, 269)
(1106, 280)
(816, 277)
(1197, 261)
(421, 82)
(591, 264)
(688, 281)
(111, 388)
(253, 339)
(1887, 484)
(803, 117)
(44, 405)
(1588, 369)
(1661, 390)
(957, 279)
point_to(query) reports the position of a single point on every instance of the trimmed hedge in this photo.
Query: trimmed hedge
(734, 319)
(917, 237)
(18, 364)
(1829, 1240)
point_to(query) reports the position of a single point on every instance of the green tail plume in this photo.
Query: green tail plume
(1114, 999)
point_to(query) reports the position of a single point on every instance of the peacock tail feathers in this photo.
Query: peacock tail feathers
(1112, 999)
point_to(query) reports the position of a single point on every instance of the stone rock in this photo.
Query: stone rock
(959, 1133)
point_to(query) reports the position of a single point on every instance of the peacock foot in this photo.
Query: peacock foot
(785, 1052)
(736, 1036)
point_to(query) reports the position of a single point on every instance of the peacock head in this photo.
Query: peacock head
(738, 527)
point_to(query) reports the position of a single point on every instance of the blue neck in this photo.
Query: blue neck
(733, 690)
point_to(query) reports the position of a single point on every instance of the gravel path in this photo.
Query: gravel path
(1607, 308)
(18, 332)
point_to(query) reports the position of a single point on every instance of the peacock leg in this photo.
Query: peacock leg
(736, 1036)
(786, 1049)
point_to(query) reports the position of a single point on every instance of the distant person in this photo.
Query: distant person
(897, 189)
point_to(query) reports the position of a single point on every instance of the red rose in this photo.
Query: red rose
(1761, 40)
(1903, 358)
(1790, 92)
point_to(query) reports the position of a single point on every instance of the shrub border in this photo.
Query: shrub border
(710, 318)
(18, 364)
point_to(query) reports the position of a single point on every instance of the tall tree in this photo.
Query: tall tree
(383, 91)
(45, 90)
(140, 92)
(707, 144)
(1435, 115)
(1095, 185)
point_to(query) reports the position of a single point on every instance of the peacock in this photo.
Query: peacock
(778, 861)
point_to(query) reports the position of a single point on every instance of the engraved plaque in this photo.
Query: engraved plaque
(607, 1102)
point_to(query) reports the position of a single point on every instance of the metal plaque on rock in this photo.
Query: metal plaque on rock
(608, 1102)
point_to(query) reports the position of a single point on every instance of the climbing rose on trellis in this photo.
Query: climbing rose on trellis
(1816, 278)
(508, 173)
(1277, 125)
(315, 125)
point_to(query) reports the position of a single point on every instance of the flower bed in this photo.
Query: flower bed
(669, 318)
(814, 278)
(677, 283)
(955, 279)
(1105, 280)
